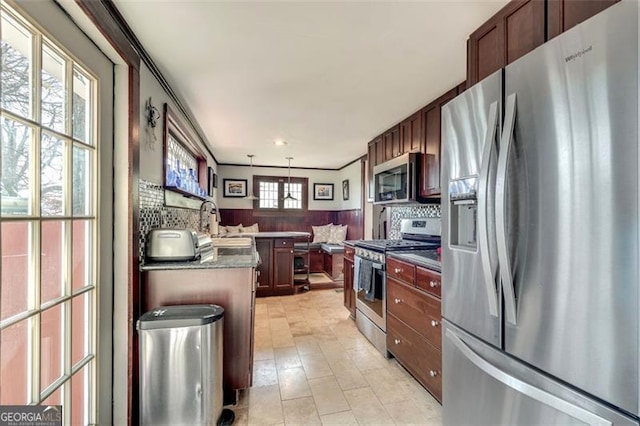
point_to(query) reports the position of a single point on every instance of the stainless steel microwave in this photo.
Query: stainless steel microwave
(396, 181)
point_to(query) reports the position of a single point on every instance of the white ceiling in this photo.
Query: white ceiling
(326, 77)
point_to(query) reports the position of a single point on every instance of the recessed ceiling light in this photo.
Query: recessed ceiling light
(280, 143)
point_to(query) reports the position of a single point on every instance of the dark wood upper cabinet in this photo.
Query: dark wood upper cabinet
(412, 133)
(430, 176)
(391, 142)
(515, 30)
(565, 14)
(375, 154)
(462, 87)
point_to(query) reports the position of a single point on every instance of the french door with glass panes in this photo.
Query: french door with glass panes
(48, 223)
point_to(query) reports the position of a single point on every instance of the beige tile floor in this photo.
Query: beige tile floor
(312, 366)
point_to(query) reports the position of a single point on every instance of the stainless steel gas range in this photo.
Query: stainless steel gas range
(370, 276)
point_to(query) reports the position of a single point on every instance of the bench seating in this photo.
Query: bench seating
(325, 257)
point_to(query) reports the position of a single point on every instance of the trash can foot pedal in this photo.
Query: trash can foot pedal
(226, 417)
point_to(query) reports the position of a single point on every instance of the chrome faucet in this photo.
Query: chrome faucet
(204, 222)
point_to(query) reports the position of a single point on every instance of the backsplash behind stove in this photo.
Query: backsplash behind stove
(397, 213)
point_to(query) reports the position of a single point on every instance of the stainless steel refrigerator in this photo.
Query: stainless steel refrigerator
(540, 234)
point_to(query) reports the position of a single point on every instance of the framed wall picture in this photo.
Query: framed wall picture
(323, 191)
(345, 189)
(212, 180)
(234, 188)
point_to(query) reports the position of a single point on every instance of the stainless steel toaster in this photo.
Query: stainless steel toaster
(171, 245)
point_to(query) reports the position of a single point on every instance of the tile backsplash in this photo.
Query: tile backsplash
(397, 213)
(154, 214)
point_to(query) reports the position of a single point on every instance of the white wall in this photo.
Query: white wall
(351, 172)
(151, 152)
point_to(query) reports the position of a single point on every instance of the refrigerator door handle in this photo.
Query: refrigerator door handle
(506, 141)
(488, 267)
(525, 388)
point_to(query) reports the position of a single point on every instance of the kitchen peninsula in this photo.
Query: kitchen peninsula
(227, 278)
(277, 251)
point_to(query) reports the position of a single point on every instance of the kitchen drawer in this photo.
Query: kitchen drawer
(282, 242)
(418, 310)
(428, 280)
(417, 355)
(349, 252)
(401, 270)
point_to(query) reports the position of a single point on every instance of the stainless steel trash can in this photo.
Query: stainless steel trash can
(181, 365)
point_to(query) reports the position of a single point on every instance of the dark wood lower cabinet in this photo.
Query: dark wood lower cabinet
(348, 269)
(264, 271)
(414, 322)
(416, 354)
(283, 270)
(349, 294)
(316, 260)
(275, 273)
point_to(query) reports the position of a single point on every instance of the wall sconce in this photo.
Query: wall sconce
(153, 115)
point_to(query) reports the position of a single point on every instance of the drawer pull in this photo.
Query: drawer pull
(434, 284)
(433, 373)
(434, 323)
(398, 301)
(398, 270)
(396, 341)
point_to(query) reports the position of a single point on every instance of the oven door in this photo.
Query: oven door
(371, 296)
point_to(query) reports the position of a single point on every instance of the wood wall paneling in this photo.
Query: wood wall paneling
(352, 218)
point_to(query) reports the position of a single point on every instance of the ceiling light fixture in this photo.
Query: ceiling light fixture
(251, 195)
(280, 143)
(289, 197)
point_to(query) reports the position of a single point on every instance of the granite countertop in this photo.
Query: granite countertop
(223, 257)
(285, 234)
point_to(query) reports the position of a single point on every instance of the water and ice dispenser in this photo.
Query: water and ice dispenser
(463, 197)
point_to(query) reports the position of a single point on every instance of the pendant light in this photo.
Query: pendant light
(251, 195)
(289, 197)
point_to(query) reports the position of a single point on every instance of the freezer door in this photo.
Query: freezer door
(470, 129)
(568, 247)
(483, 386)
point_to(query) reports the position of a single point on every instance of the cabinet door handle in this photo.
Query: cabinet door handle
(434, 284)
(434, 323)
(397, 270)
(396, 341)
(398, 301)
(433, 373)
